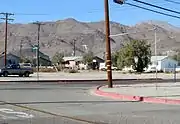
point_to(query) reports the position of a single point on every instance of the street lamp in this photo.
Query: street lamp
(119, 1)
(122, 34)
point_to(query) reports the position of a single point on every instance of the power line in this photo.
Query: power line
(6, 18)
(178, 17)
(171, 1)
(159, 7)
(38, 14)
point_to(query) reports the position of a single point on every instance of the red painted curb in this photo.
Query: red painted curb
(116, 95)
(135, 98)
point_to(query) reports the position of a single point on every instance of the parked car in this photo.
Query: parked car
(16, 70)
(151, 69)
(25, 65)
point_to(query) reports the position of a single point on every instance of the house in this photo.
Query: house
(163, 63)
(11, 59)
(72, 61)
(44, 60)
(96, 62)
(77, 61)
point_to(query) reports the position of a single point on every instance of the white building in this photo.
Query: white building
(73, 61)
(163, 63)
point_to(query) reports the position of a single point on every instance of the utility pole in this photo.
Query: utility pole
(6, 18)
(155, 40)
(156, 62)
(108, 45)
(38, 38)
(74, 48)
(20, 51)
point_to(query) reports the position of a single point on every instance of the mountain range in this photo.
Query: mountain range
(59, 36)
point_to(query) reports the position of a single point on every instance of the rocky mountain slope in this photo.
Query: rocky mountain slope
(60, 35)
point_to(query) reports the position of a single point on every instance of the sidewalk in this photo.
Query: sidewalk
(168, 93)
(87, 75)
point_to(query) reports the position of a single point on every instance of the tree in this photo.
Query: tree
(58, 58)
(114, 58)
(88, 58)
(135, 49)
(176, 57)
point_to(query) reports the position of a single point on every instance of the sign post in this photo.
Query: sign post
(37, 71)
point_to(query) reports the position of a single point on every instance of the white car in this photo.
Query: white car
(25, 65)
(105, 68)
(151, 69)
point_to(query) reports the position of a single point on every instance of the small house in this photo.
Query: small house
(44, 60)
(73, 61)
(163, 63)
(11, 59)
(96, 62)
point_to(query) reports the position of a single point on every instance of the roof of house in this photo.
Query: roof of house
(157, 58)
(9, 54)
(98, 58)
(29, 53)
(73, 58)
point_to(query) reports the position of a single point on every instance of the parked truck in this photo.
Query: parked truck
(16, 69)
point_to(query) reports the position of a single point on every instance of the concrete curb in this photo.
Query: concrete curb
(135, 98)
(81, 80)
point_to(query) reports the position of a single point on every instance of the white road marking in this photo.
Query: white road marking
(10, 113)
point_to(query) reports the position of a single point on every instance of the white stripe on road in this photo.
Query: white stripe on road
(10, 113)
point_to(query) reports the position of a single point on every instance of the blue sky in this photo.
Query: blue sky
(84, 10)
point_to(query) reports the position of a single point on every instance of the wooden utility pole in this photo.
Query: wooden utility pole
(74, 48)
(6, 31)
(108, 45)
(73, 43)
(38, 38)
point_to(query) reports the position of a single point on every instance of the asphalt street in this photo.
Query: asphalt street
(31, 103)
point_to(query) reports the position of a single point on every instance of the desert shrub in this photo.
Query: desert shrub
(73, 71)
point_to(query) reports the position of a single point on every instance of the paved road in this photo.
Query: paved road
(48, 103)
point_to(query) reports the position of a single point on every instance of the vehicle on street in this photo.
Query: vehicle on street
(16, 69)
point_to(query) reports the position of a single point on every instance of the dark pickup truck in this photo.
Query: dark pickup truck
(16, 70)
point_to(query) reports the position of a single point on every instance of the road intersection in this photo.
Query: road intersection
(76, 103)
